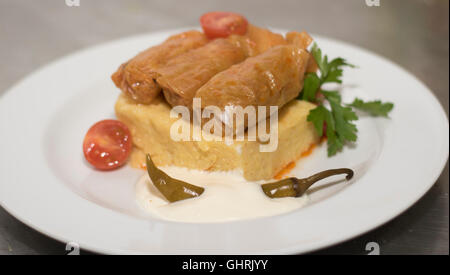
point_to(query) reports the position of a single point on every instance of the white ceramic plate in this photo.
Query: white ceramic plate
(45, 182)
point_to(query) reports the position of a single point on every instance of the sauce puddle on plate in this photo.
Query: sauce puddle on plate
(227, 197)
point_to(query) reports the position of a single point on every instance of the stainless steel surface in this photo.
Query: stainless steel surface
(414, 34)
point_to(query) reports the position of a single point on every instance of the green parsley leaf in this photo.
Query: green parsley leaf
(332, 95)
(338, 120)
(322, 118)
(334, 144)
(335, 71)
(346, 131)
(374, 108)
(319, 116)
(310, 87)
(329, 72)
(322, 63)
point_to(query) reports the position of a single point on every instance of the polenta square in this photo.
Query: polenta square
(150, 127)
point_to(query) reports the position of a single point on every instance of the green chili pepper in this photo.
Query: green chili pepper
(294, 187)
(172, 189)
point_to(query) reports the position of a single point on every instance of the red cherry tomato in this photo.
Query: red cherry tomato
(223, 24)
(107, 145)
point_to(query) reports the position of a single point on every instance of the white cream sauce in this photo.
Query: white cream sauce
(227, 197)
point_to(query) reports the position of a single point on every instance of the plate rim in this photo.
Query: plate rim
(292, 249)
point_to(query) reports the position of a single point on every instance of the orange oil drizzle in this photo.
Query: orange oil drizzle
(288, 168)
(309, 151)
(285, 170)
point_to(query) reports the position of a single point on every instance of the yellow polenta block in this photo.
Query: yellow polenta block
(150, 128)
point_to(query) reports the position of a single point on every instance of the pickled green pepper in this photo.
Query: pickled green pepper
(294, 187)
(172, 189)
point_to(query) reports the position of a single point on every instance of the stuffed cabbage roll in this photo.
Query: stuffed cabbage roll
(185, 74)
(272, 78)
(299, 39)
(303, 40)
(137, 77)
(263, 39)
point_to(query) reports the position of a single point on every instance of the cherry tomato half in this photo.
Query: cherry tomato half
(107, 145)
(223, 24)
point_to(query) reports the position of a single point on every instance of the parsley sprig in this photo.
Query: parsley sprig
(374, 108)
(337, 120)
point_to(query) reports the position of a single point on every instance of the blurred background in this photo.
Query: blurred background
(412, 33)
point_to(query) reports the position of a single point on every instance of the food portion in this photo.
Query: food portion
(195, 103)
(137, 77)
(150, 127)
(241, 65)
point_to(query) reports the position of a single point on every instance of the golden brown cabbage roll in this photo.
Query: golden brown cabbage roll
(299, 39)
(302, 40)
(136, 78)
(263, 39)
(272, 78)
(257, 40)
(185, 74)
